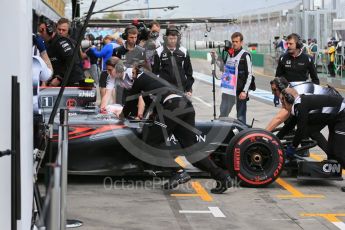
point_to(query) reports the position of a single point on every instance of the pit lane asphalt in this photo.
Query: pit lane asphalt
(140, 203)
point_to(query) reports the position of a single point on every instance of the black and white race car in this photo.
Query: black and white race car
(101, 144)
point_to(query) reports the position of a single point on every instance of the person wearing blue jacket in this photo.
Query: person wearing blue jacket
(106, 52)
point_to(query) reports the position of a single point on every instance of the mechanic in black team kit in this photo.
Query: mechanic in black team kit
(317, 110)
(278, 84)
(60, 51)
(177, 116)
(172, 62)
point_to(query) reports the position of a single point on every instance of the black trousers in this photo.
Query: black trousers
(37, 122)
(331, 69)
(179, 117)
(314, 132)
(336, 139)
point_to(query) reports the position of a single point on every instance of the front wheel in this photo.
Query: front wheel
(256, 157)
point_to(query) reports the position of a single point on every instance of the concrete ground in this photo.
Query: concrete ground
(140, 203)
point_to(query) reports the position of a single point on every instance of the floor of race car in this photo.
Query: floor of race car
(140, 203)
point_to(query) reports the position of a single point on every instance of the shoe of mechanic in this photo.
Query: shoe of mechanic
(343, 189)
(290, 151)
(222, 185)
(177, 178)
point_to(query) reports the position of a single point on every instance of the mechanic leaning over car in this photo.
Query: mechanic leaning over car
(280, 83)
(112, 69)
(317, 110)
(176, 115)
(171, 62)
(121, 76)
(60, 51)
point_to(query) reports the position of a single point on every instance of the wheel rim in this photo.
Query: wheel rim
(257, 158)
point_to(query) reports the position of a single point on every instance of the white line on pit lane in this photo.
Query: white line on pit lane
(215, 211)
(259, 93)
(340, 225)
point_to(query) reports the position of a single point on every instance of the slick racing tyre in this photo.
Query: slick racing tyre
(255, 157)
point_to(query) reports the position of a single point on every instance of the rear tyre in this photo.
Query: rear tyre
(255, 157)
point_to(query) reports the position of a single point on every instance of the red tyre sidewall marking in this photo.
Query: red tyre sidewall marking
(237, 157)
(253, 137)
(253, 182)
(280, 164)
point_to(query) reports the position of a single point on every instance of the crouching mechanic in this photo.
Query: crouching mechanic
(317, 110)
(176, 115)
(278, 84)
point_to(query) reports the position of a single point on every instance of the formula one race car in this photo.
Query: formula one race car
(101, 144)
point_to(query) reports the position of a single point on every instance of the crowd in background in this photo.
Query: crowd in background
(56, 47)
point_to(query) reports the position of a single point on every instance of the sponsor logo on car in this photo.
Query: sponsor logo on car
(200, 138)
(331, 168)
(86, 93)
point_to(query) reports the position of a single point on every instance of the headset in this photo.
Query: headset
(288, 97)
(124, 35)
(50, 27)
(171, 29)
(299, 43)
(280, 82)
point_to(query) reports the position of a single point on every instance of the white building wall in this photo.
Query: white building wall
(17, 15)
